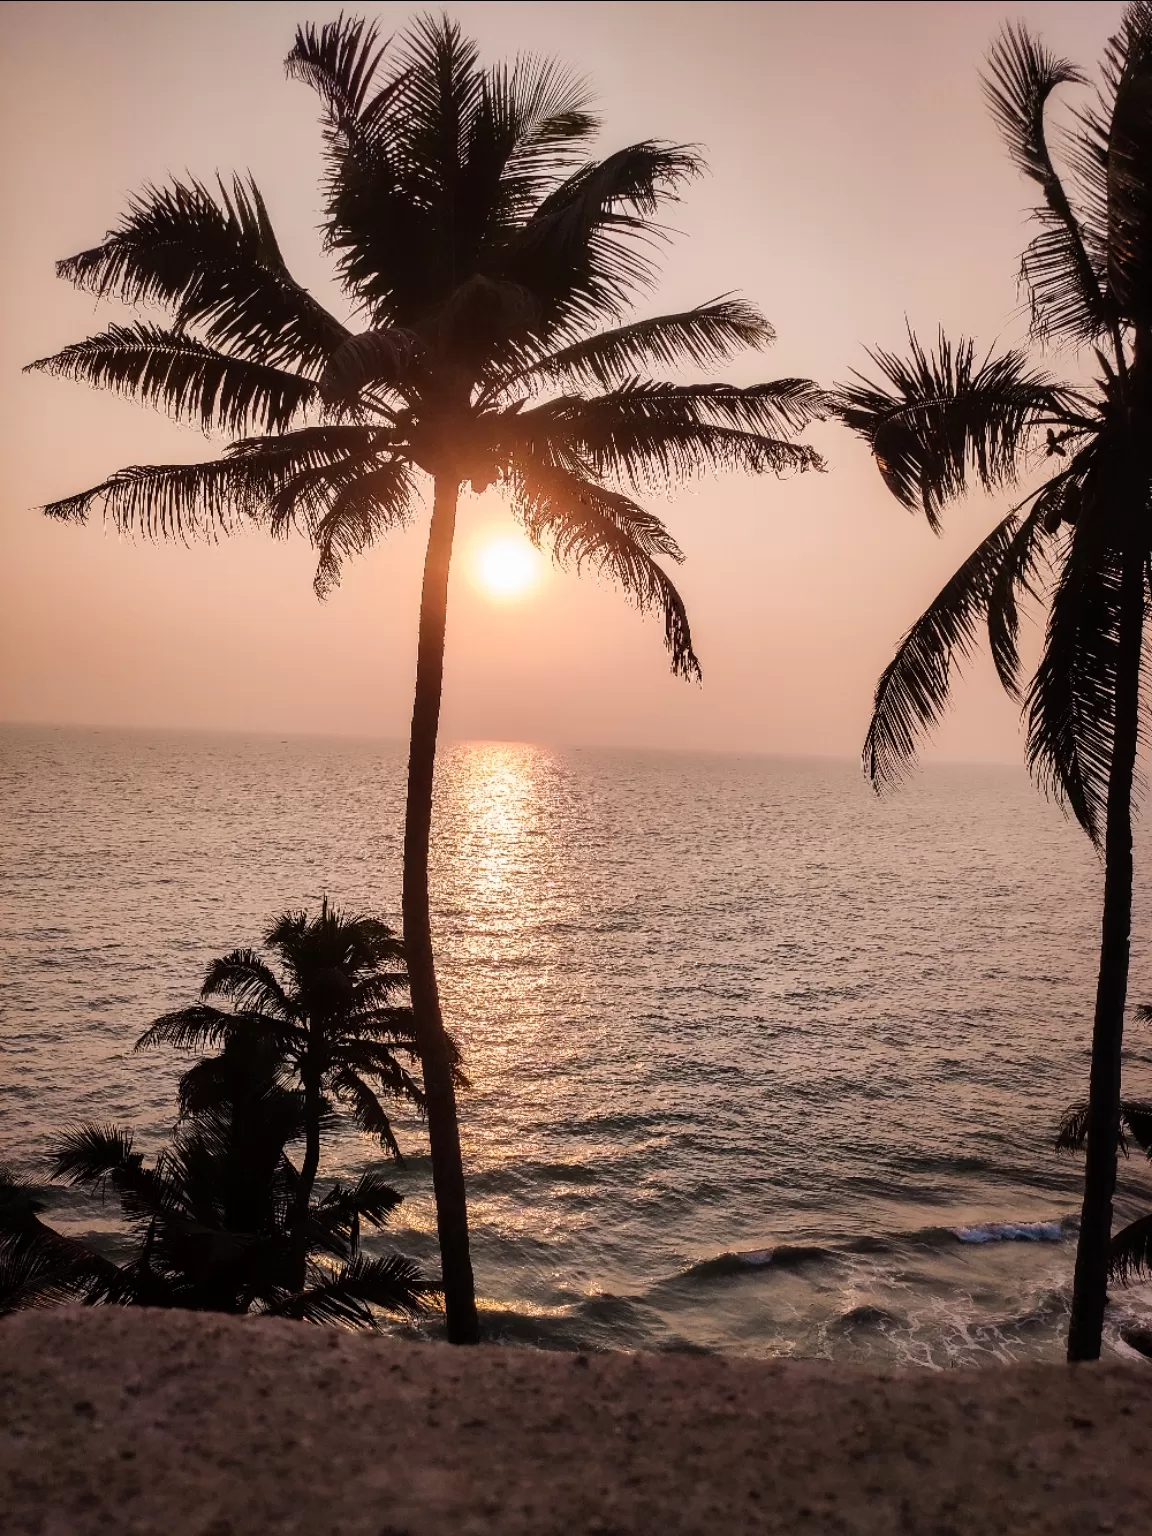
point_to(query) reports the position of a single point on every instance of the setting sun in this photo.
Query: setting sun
(506, 566)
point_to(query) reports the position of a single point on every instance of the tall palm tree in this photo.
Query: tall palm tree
(939, 418)
(492, 264)
(332, 1023)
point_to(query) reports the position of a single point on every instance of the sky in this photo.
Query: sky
(856, 185)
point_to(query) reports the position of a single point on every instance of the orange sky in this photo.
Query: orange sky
(855, 180)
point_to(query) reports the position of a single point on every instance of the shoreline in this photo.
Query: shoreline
(166, 1423)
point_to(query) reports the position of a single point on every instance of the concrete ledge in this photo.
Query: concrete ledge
(167, 1423)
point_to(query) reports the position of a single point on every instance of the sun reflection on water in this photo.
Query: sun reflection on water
(498, 875)
(496, 806)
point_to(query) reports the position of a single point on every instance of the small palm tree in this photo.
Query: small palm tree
(332, 1023)
(939, 418)
(492, 264)
(215, 1217)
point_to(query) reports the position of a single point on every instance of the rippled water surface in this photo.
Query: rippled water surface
(760, 1063)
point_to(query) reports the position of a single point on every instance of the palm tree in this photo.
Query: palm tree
(492, 264)
(215, 1217)
(331, 1023)
(940, 417)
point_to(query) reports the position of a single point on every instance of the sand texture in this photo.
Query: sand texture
(170, 1423)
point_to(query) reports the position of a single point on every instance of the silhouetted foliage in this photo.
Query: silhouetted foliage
(484, 248)
(215, 1216)
(1130, 1253)
(492, 263)
(1081, 543)
(332, 1022)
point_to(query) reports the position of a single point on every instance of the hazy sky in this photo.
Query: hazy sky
(855, 181)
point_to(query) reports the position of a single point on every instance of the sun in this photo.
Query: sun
(506, 566)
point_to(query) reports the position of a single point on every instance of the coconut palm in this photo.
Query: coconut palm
(215, 1216)
(491, 263)
(941, 417)
(332, 1023)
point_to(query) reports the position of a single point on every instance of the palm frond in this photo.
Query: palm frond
(94, 1156)
(651, 435)
(355, 942)
(204, 1087)
(530, 131)
(178, 501)
(364, 503)
(92, 1153)
(366, 1109)
(213, 261)
(249, 982)
(1071, 702)
(1136, 1118)
(334, 1222)
(376, 993)
(186, 378)
(372, 1198)
(1129, 170)
(39, 1274)
(202, 500)
(250, 1076)
(340, 61)
(1065, 287)
(936, 415)
(1056, 270)
(346, 1298)
(1135, 1125)
(375, 1060)
(392, 1283)
(1013, 577)
(588, 249)
(395, 214)
(1130, 1254)
(1021, 76)
(588, 525)
(913, 689)
(202, 1027)
(709, 334)
(39, 1266)
(777, 407)
(383, 359)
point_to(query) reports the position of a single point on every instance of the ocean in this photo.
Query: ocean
(762, 1064)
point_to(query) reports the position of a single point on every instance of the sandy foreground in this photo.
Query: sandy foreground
(166, 1422)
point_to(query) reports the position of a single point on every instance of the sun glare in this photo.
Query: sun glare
(506, 566)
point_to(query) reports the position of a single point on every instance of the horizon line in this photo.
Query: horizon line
(295, 734)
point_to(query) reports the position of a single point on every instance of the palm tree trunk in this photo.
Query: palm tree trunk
(1090, 1282)
(443, 1128)
(308, 1171)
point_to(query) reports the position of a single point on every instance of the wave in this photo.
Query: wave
(867, 1316)
(1015, 1232)
(793, 1255)
(785, 1256)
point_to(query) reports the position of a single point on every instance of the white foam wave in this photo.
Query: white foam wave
(1011, 1232)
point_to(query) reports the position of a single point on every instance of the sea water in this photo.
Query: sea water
(760, 1063)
